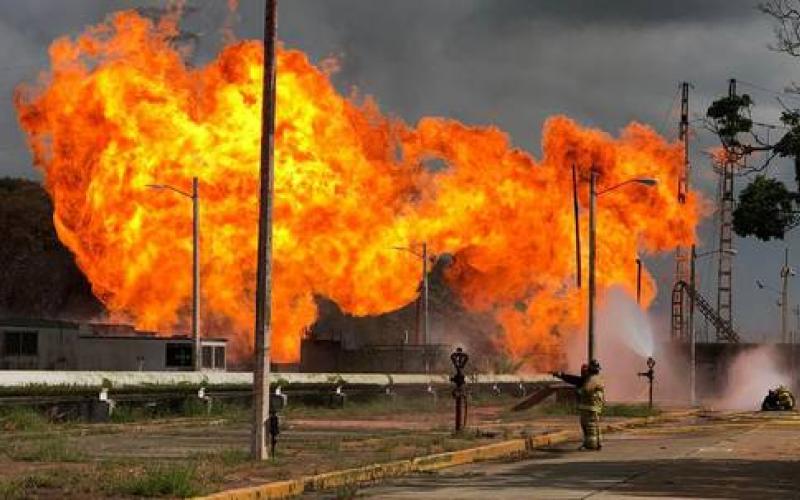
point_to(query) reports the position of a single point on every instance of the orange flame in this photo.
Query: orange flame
(120, 109)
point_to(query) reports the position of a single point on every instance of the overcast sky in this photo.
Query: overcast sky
(511, 63)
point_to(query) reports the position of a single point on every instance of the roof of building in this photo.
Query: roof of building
(38, 323)
(98, 330)
(173, 338)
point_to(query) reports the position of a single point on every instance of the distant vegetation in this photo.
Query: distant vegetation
(39, 277)
(767, 208)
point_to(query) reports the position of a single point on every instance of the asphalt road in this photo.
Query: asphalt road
(755, 456)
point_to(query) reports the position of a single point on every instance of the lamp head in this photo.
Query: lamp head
(647, 181)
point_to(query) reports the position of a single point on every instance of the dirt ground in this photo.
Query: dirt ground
(190, 456)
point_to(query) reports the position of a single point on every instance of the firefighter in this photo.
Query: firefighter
(770, 402)
(785, 398)
(574, 380)
(780, 399)
(591, 398)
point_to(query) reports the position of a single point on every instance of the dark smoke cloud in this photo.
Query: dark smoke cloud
(514, 14)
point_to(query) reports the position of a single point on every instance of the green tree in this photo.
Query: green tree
(765, 210)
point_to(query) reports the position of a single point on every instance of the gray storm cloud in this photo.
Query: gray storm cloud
(511, 63)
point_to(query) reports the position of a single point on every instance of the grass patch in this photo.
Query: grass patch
(192, 407)
(124, 414)
(22, 418)
(159, 481)
(50, 449)
(628, 410)
(346, 492)
(555, 409)
(232, 457)
(12, 490)
(372, 406)
(229, 457)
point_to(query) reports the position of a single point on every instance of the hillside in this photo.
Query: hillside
(38, 275)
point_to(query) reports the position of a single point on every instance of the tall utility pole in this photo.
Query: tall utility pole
(593, 194)
(793, 354)
(638, 281)
(725, 269)
(592, 238)
(421, 335)
(195, 197)
(681, 254)
(426, 339)
(692, 336)
(683, 135)
(786, 272)
(264, 274)
(198, 362)
(576, 214)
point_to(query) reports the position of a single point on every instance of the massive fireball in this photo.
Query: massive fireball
(120, 109)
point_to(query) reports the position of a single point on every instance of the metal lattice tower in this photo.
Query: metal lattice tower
(726, 205)
(680, 322)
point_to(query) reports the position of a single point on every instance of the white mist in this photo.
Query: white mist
(750, 376)
(624, 340)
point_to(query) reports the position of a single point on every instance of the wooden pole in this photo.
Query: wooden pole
(264, 274)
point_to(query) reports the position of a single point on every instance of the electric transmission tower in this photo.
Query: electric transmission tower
(681, 302)
(726, 205)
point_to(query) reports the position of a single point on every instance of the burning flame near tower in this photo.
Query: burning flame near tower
(120, 109)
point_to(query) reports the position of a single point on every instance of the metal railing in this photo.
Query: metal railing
(724, 327)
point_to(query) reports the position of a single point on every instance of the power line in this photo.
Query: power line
(670, 109)
(783, 94)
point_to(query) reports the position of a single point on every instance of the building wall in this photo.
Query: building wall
(55, 348)
(120, 354)
(714, 360)
(330, 356)
(134, 353)
(53, 345)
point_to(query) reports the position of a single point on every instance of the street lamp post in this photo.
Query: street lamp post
(593, 194)
(195, 197)
(424, 292)
(783, 303)
(592, 258)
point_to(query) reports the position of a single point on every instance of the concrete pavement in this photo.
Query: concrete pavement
(754, 456)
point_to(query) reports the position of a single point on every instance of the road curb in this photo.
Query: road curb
(375, 472)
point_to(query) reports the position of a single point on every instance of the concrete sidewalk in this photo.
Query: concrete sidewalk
(748, 458)
(377, 472)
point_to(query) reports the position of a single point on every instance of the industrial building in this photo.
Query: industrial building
(35, 344)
